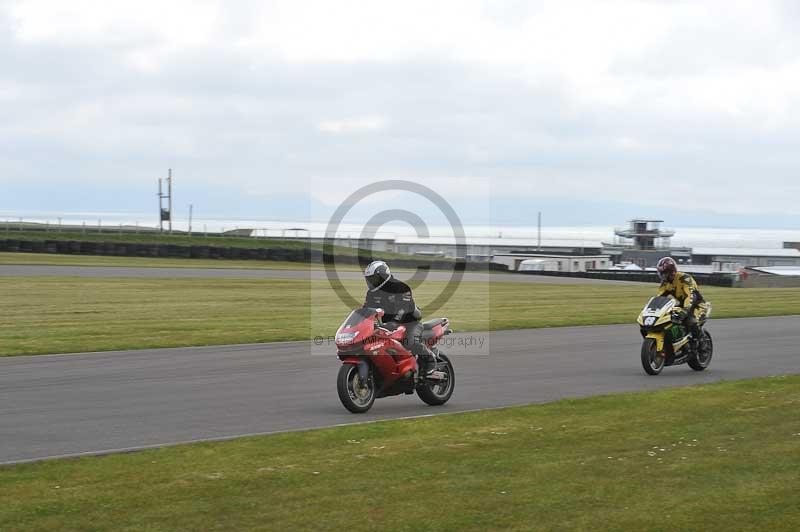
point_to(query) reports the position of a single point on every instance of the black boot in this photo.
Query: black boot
(694, 328)
(698, 338)
(426, 360)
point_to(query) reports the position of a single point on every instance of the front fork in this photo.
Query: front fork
(363, 370)
(362, 365)
(659, 338)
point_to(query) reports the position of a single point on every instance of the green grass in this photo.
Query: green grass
(72, 314)
(725, 459)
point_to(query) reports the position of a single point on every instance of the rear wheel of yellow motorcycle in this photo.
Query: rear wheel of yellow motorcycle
(652, 360)
(701, 360)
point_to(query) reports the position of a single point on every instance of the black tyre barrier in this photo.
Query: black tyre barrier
(199, 252)
(219, 252)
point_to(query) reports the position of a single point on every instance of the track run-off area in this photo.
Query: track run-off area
(65, 405)
(26, 270)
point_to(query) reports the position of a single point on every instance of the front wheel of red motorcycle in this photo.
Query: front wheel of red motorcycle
(437, 391)
(355, 394)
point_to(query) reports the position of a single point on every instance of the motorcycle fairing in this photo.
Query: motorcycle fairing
(363, 342)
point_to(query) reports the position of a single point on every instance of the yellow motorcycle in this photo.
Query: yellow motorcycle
(667, 342)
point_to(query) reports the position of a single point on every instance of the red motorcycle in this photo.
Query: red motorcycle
(376, 364)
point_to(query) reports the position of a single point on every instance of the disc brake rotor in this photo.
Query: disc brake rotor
(359, 389)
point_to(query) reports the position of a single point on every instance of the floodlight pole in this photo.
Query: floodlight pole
(160, 208)
(539, 246)
(162, 213)
(169, 192)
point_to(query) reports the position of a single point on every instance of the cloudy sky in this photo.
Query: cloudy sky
(592, 112)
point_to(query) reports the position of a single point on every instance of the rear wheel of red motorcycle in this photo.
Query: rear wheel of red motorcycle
(438, 392)
(355, 395)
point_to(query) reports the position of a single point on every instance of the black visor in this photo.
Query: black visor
(376, 279)
(666, 276)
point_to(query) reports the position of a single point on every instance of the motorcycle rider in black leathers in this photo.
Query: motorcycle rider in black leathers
(394, 297)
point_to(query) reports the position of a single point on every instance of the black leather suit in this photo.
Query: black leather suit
(395, 298)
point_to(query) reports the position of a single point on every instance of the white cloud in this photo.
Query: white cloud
(177, 23)
(588, 100)
(353, 125)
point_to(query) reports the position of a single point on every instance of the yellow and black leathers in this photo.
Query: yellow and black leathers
(684, 288)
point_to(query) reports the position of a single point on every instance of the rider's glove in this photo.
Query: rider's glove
(678, 315)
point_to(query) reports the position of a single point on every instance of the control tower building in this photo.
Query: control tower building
(643, 242)
(645, 235)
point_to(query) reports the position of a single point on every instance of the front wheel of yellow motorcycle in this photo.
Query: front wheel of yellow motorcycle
(652, 359)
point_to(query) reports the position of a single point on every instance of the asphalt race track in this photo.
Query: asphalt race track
(244, 273)
(56, 405)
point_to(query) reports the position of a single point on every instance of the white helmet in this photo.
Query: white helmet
(377, 274)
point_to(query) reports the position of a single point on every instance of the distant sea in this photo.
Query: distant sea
(588, 235)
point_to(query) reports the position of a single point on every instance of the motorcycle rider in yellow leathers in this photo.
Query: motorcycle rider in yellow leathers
(682, 287)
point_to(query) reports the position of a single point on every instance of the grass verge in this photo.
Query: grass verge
(73, 314)
(726, 459)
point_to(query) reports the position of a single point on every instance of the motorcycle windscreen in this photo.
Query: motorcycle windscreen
(358, 316)
(658, 302)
